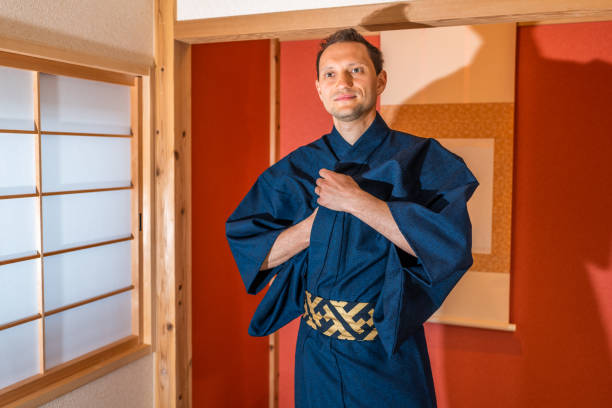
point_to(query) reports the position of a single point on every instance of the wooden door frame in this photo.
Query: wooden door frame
(173, 131)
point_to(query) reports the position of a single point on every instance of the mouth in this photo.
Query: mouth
(344, 97)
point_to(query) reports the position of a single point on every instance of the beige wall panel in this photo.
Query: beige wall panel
(449, 64)
(117, 29)
(130, 386)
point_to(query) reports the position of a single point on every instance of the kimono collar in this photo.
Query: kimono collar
(364, 146)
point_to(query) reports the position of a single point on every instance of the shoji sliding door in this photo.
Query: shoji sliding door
(69, 221)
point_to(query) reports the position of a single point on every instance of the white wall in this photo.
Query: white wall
(196, 9)
(121, 30)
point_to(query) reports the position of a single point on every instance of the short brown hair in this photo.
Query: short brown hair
(351, 35)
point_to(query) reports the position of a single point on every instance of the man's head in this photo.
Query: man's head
(351, 35)
(349, 75)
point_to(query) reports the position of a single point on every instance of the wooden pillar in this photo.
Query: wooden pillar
(172, 212)
(274, 155)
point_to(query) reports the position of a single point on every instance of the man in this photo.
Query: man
(366, 231)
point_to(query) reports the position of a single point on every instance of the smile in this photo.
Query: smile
(344, 97)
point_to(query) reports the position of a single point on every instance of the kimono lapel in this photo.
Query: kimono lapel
(350, 160)
(364, 147)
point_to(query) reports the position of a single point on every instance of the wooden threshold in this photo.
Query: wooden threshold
(318, 23)
(87, 301)
(97, 244)
(66, 377)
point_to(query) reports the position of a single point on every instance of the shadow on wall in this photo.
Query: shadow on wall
(560, 354)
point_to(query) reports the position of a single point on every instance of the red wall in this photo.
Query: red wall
(230, 119)
(561, 300)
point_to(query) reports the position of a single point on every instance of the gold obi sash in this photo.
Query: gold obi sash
(340, 319)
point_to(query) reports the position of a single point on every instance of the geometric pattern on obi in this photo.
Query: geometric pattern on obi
(340, 319)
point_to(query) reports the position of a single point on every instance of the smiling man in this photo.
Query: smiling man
(366, 231)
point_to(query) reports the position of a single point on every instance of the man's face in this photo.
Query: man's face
(347, 83)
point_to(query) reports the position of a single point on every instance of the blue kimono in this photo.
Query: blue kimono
(426, 188)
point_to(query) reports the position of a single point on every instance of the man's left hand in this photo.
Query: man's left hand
(338, 192)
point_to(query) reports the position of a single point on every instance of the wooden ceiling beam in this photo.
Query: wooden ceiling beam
(383, 17)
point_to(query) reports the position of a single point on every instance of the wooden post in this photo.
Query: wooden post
(172, 213)
(182, 157)
(274, 153)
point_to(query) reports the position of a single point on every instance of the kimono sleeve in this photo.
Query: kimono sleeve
(440, 233)
(254, 226)
(251, 231)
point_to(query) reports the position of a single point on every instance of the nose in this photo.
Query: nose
(345, 79)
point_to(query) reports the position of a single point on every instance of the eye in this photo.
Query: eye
(357, 70)
(328, 74)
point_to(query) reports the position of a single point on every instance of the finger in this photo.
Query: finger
(319, 181)
(317, 190)
(323, 172)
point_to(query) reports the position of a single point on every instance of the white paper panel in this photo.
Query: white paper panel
(18, 290)
(17, 164)
(16, 99)
(80, 105)
(18, 227)
(76, 276)
(83, 162)
(78, 219)
(18, 353)
(78, 331)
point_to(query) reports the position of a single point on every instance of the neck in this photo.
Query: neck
(352, 131)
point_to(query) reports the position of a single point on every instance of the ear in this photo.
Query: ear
(318, 89)
(381, 82)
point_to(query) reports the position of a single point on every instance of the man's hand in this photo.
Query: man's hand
(338, 192)
(289, 242)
